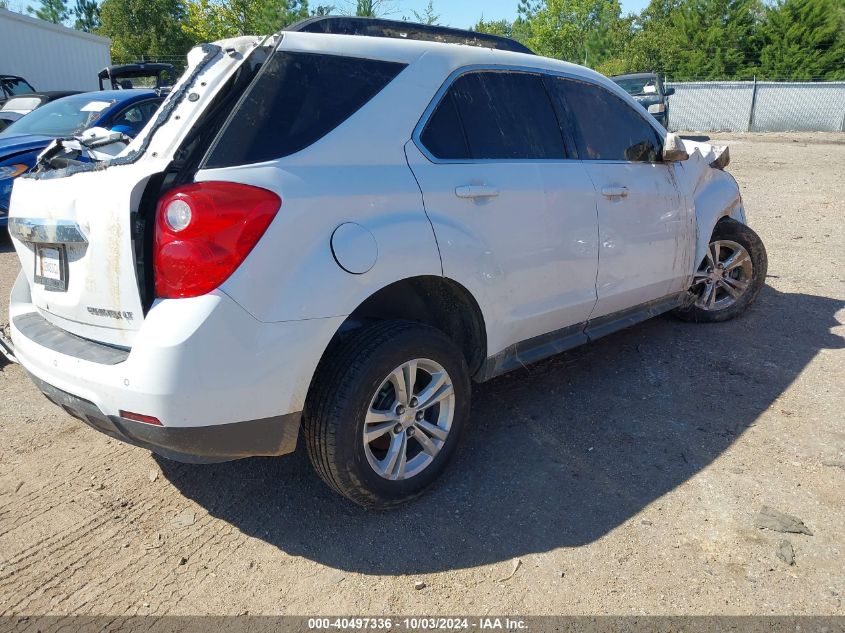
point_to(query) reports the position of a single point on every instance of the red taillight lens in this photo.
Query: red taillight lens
(204, 231)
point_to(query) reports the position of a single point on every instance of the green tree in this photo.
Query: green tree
(55, 11)
(502, 28)
(428, 16)
(712, 39)
(209, 20)
(373, 8)
(573, 30)
(87, 14)
(516, 30)
(804, 39)
(324, 9)
(270, 16)
(640, 41)
(519, 29)
(145, 28)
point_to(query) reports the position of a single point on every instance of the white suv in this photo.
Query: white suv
(338, 233)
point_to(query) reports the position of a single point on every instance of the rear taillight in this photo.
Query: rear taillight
(204, 231)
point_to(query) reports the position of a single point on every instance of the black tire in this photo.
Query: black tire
(346, 382)
(730, 230)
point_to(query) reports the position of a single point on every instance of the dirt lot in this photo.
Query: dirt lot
(624, 477)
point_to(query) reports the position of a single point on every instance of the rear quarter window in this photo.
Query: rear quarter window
(297, 99)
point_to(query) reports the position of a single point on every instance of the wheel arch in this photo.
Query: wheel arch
(437, 301)
(717, 199)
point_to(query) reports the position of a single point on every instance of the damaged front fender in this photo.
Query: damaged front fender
(715, 193)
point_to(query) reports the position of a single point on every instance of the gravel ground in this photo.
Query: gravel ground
(621, 478)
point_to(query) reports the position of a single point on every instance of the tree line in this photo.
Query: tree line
(688, 39)
(682, 39)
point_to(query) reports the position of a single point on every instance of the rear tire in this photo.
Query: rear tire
(731, 276)
(386, 412)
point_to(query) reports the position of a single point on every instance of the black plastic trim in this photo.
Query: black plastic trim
(546, 345)
(597, 328)
(40, 331)
(269, 437)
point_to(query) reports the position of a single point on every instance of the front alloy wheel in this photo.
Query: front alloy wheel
(725, 275)
(730, 277)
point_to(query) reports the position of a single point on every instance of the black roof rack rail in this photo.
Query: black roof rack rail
(377, 27)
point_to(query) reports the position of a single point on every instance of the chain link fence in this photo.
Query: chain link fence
(757, 106)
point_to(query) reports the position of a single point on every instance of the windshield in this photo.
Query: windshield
(638, 86)
(23, 104)
(16, 86)
(65, 117)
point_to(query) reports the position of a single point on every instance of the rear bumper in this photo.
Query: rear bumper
(193, 445)
(223, 385)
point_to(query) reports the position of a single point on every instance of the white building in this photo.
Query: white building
(49, 56)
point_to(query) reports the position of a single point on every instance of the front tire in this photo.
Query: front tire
(386, 412)
(731, 276)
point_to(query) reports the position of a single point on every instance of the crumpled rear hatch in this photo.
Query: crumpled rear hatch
(76, 228)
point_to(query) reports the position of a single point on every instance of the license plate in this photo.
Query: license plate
(51, 267)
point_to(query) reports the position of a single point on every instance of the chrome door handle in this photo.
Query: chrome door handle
(476, 191)
(615, 192)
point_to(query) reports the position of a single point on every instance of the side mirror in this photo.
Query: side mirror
(668, 92)
(674, 149)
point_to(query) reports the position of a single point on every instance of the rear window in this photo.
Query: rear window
(17, 86)
(297, 99)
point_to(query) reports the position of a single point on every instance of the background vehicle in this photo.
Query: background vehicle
(341, 232)
(50, 56)
(648, 90)
(139, 75)
(18, 106)
(125, 111)
(12, 85)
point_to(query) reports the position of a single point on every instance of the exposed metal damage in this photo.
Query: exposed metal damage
(97, 150)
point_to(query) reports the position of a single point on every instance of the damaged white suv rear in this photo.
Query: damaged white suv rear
(334, 234)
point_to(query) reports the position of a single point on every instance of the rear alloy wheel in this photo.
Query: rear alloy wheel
(386, 412)
(409, 420)
(730, 277)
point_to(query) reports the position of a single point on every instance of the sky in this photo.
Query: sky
(457, 13)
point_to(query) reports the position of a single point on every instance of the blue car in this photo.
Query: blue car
(126, 111)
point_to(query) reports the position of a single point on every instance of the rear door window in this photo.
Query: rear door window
(297, 99)
(492, 115)
(607, 128)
